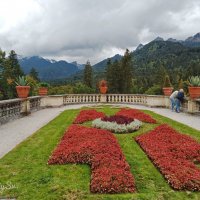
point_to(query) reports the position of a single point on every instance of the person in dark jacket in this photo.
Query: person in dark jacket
(179, 100)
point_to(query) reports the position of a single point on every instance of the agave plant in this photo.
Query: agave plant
(22, 81)
(194, 81)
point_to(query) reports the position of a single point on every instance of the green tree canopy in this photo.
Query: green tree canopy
(88, 75)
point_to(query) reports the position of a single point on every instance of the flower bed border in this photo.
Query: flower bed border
(115, 127)
(174, 155)
(100, 149)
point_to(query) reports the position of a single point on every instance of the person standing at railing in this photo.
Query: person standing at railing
(173, 99)
(179, 100)
(176, 99)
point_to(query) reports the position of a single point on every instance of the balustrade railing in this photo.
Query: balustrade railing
(10, 109)
(35, 103)
(15, 108)
(126, 98)
(81, 98)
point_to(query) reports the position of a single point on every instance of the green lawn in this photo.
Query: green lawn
(26, 167)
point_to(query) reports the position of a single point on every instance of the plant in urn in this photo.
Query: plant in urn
(103, 86)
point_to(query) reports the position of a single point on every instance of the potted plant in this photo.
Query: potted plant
(194, 87)
(22, 87)
(167, 88)
(43, 88)
(103, 86)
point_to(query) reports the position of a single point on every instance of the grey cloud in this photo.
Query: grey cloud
(87, 29)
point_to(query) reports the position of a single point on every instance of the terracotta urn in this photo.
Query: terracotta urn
(23, 91)
(167, 91)
(194, 92)
(43, 91)
(103, 87)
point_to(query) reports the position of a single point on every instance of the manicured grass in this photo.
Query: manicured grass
(26, 166)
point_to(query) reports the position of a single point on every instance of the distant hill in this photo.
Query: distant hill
(193, 41)
(98, 70)
(101, 65)
(48, 69)
(173, 53)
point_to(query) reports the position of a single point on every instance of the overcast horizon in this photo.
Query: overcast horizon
(75, 30)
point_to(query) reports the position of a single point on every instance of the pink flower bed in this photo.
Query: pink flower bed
(100, 149)
(175, 155)
(88, 115)
(136, 114)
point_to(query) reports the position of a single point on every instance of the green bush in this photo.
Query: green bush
(167, 82)
(80, 88)
(154, 90)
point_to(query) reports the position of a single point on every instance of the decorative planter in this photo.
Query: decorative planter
(103, 89)
(43, 91)
(167, 91)
(23, 91)
(194, 92)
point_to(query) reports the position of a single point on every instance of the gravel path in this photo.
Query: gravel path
(11, 134)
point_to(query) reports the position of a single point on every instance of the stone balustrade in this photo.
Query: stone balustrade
(81, 98)
(15, 108)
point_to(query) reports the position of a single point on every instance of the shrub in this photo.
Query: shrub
(167, 82)
(154, 90)
(43, 84)
(110, 173)
(175, 155)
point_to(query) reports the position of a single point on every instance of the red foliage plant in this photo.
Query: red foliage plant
(136, 114)
(88, 115)
(175, 155)
(100, 149)
(119, 119)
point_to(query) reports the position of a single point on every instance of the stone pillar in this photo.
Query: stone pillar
(25, 107)
(191, 106)
(103, 98)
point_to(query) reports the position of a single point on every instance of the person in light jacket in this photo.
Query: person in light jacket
(173, 99)
(176, 99)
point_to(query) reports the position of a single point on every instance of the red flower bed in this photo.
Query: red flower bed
(175, 155)
(136, 114)
(100, 149)
(119, 119)
(88, 115)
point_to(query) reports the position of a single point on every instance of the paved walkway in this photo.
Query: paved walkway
(12, 133)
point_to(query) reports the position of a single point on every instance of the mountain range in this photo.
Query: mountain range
(170, 50)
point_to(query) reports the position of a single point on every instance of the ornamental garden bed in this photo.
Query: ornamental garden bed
(26, 168)
(136, 114)
(175, 155)
(100, 149)
(117, 124)
(88, 115)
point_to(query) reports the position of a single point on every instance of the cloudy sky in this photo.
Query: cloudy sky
(92, 29)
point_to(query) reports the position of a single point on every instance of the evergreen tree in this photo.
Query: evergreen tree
(12, 70)
(88, 76)
(3, 81)
(34, 74)
(126, 73)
